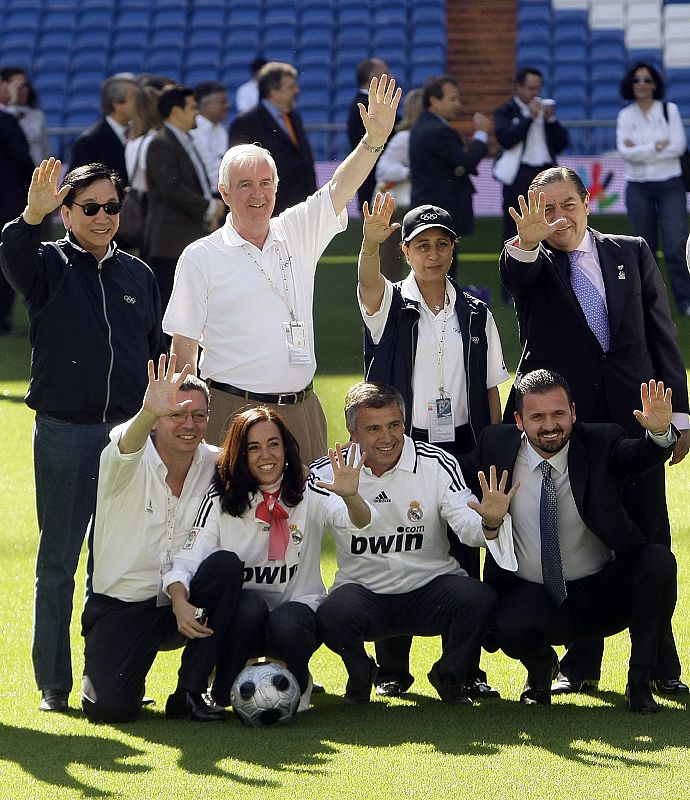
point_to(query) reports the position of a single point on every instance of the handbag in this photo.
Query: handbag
(133, 214)
(684, 159)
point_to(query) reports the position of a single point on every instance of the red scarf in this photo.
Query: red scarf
(269, 510)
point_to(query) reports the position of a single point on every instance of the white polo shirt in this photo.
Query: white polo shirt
(407, 545)
(221, 298)
(425, 374)
(140, 524)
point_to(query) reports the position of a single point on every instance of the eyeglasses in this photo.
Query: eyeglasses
(643, 80)
(112, 209)
(181, 416)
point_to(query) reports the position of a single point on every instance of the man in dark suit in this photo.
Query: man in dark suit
(275, 125)
(583, 569)
(604, 323)
(440, 163)
(104, 141)
(16, 168)
(527, 125)
(367, 69)
(181, 206)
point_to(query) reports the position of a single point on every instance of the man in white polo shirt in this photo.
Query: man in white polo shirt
(245, 293)
(153, 476)
(399, 578)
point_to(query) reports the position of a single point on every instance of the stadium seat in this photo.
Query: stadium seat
(88, 60)
(609, 14)
(138, 20)
(606, 110)
(533, 14)
(652, 56)
(127, 60)
(643, 34)
(676, 54)
(418, 73)
(97, 19)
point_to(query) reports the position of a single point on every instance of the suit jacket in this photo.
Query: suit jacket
(510, 128)
(16, 168)
(295, 165)
(100, 143)
(176, 202)
(554, 333)
(436, 151)
(600, 458)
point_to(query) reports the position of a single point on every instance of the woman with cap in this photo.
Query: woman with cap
(440, 348)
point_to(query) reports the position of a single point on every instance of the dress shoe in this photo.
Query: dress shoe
(669, 686)
(536, 696)
(480, 689)
(53, 700)
(639, 694)
(450, 691)
(360, 693)
(190, 705)
(565, 685)
(389, 689)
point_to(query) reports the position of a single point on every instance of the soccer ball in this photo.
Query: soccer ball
(264, 695)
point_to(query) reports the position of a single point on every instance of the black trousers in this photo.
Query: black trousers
(288, 633)
(122, 640)
(636, 591)
(458, 608)
(393, 655)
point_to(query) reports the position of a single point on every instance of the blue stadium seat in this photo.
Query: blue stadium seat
(88, 60)
(132, 20)
(572, 53)
(607, 71)
(314, 37)
(243, 37)
(429, 13)
(534, 13)
(390, 36)
(605, 94)
(570, 95)
(204, 58)
(128, 60)
(99, 19)
(97, 40)
(568, 110)
(203, 38)
(538, 33)
(276, 52)
(428, 53)
(208, 18)
(21, 21)
(165, 61)
(192, 76)
(130, 39)
(428, 33)
(80, 117)
(52, 63)
(605, 110)
(87, 80)
(419, 73)
(650, 55)
(282, 35)
(172, 38)
(317, 17)
(317, 59)
(568, 74)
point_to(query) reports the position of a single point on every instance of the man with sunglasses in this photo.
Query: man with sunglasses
(95, 321)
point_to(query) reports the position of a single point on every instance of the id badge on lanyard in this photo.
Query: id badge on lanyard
(440, 417)
(297, 343)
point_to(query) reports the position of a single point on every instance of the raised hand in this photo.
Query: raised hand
(656, 407)
(495, 500)
(379, 117)
(345, 481)
(44, 196)
(532, 226)
(159, 399)
(377, 223)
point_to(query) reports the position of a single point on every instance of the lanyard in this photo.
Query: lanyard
(283, 269)
(440, 343)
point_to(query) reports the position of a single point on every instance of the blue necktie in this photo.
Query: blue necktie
(551, 565)
(591, 301)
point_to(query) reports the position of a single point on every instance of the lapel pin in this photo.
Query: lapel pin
(621, 272)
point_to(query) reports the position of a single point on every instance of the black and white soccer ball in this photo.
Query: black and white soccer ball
(264, 695)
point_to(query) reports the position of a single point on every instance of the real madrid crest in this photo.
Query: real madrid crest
(295, 533)
(414, 512)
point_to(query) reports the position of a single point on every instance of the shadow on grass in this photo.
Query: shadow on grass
(603, 735)
(48, 756)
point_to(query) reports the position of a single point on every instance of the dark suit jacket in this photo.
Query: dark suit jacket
(176, 203)
(297, 179)
(16, 168)
(554, 333)
(100, 143)
(600, 458)
(510, 127)
(436, 150)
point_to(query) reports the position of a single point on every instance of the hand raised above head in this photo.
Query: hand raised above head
(377, 223)
(532, 226)
(159, 399)
(379, 116)
(44, 196)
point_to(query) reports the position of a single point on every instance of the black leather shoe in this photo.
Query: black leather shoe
(536, 696)
(639, 694)
(359, 694)
(669, 686)
(481, 689)
(455, 694)
(389, 689)
(53, 700)
(190, 705)
(565, 685)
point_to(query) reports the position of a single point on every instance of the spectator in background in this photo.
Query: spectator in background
(367, 69)
(393, 176)
(530, 137)
(210, 136)
(650, 137)
(275, 125)
(247, 94)
(181, 205)
(23, 105)
(440, 163)
(104, 141)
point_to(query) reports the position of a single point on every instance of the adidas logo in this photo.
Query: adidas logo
(382, 498)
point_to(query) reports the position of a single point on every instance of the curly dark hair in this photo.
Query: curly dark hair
(626, 88)
(236, 484)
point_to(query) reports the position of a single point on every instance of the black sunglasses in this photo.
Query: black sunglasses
(643, 80)
(112, 208)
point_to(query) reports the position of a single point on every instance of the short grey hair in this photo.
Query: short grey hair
(367, 394)
(239, 156)
(114, 90)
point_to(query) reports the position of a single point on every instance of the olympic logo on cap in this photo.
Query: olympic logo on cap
(428, 215)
